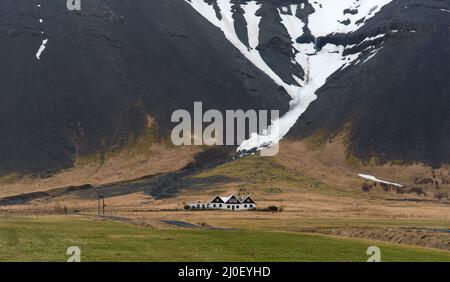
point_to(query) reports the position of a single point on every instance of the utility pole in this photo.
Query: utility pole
(101, 206)
(98, 205)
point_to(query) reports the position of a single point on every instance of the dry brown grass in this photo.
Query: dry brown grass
(331, 165)
(317, 186)
(120, 166)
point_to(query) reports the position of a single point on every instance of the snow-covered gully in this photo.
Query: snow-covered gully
(317, 62)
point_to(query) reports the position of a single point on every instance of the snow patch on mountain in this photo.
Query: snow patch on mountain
(373, 178)
(44, 41)
(226, 24)
(293, 24)
(41, 49)
(342, 16)
(318, 63)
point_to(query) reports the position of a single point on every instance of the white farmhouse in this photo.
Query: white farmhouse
(225, 203)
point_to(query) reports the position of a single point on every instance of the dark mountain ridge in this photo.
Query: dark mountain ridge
(110, 68)
(105, 71)
(396, 106)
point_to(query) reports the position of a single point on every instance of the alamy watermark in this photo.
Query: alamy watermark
(375, 254)
(232, 129)
(73, 5)
(74, 254)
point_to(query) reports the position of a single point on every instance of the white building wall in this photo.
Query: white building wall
(208, 206)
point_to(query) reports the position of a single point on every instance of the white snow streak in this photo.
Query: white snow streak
(372, 54)
(373, 178)
(318, 64)
(44, 41)
(41, 49)
(293, 24)
(329, 15)
(227, 27)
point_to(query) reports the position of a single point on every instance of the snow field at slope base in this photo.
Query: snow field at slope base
(318, 64)
(373, 178)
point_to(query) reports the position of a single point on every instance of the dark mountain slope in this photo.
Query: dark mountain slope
(397, 104)
(105, 70)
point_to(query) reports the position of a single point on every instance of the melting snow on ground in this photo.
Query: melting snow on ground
(373, 178)
(343, 16)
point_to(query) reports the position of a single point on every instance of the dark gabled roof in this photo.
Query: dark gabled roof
(217, 200)
(248, 200)
(227, 200)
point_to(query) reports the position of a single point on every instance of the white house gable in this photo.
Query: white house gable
(217, 200)
(233, 200)
(248, 200)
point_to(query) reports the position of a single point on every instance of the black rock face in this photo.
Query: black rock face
(398, 103)
(113, 65)
(275, 44)
(104, 70)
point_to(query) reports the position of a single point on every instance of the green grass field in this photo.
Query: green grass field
(47, 239)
